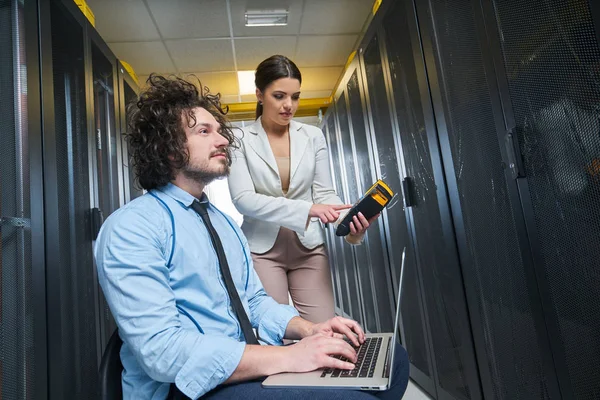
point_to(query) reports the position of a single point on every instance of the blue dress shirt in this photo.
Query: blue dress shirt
(161, 278)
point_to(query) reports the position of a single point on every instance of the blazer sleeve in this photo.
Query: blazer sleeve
(289, 213)
(323, 191)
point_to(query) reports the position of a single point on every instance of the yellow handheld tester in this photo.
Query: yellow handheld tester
(377, 197)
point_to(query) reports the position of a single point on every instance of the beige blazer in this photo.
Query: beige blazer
(255, 185)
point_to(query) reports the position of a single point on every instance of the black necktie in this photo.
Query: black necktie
(201, 209)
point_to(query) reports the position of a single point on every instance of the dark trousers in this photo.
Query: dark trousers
(253, 389)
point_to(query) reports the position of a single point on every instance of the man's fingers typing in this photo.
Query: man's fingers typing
(335, 363)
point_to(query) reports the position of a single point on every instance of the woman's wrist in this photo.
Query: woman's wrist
(299, 328)
(355, 239)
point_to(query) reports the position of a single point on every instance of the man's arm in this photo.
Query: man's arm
(134, 277)
(311, 353)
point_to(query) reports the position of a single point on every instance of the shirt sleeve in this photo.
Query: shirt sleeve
(266, 315)
(131, 257)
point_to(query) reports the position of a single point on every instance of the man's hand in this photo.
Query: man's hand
(316, 351)
(338, 327)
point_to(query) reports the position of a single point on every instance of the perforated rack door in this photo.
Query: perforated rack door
(552, 61)
(17, 324)
(510, 357)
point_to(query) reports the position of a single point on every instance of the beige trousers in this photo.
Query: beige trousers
(289, 266)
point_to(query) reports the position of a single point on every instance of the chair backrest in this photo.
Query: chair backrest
(111, 369)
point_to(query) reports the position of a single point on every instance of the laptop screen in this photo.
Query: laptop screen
(395, 338)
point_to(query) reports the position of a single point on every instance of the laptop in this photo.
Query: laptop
(373, 368)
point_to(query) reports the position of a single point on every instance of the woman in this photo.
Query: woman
(280, 182)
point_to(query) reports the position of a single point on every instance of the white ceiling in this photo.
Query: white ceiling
(208, 38)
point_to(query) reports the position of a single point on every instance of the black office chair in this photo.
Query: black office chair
(111, 369)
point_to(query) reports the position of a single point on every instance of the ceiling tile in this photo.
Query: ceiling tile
(317, 51)
(250, 52)
(144, 57)
(190, 18)
(202, 55)
(320, 78)
(218, 82)
(239, 8)
(350, 16)
(123, 21)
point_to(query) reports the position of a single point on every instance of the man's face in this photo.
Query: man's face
(208, 150)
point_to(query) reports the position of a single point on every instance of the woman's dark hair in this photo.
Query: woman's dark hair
(271, 69)
(156, 136)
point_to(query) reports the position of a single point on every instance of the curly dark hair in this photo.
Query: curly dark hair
(156, 136)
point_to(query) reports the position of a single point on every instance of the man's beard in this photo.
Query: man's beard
(204, 175)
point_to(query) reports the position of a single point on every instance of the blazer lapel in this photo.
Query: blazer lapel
(298, 144)
(260, 144)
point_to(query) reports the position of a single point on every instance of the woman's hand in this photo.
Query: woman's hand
(338, 327)
(359, 224)
(327, 212)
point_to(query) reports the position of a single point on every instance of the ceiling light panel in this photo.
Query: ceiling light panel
(266, 17)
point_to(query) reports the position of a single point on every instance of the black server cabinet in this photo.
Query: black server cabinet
(385, 150)
(128, 90)
(72, 288)
(366, 271)
(374, 270)
(491, 109)
(336, 259)
(22, 286)
(377, 268)
(83, 183)
(508, 327)
(546, 56)
(455, 369)
(344, 259)
(340, 287)
(107, 155)
(345, 165)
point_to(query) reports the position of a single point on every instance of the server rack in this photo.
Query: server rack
(493, 109)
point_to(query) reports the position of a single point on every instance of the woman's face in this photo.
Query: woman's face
(280, 100)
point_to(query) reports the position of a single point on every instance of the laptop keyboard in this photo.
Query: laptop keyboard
(365, 364)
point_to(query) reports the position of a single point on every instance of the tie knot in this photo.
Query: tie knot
(200, 208)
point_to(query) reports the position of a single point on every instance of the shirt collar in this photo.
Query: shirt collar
(180, 195)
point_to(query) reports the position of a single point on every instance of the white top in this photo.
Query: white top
(255, 185)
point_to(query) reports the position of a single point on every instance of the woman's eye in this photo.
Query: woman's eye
(296, 98)
(278, 96)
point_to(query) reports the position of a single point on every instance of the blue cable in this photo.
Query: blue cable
(173, 249)
(172, 227)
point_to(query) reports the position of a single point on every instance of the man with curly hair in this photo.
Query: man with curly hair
(178, 276)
